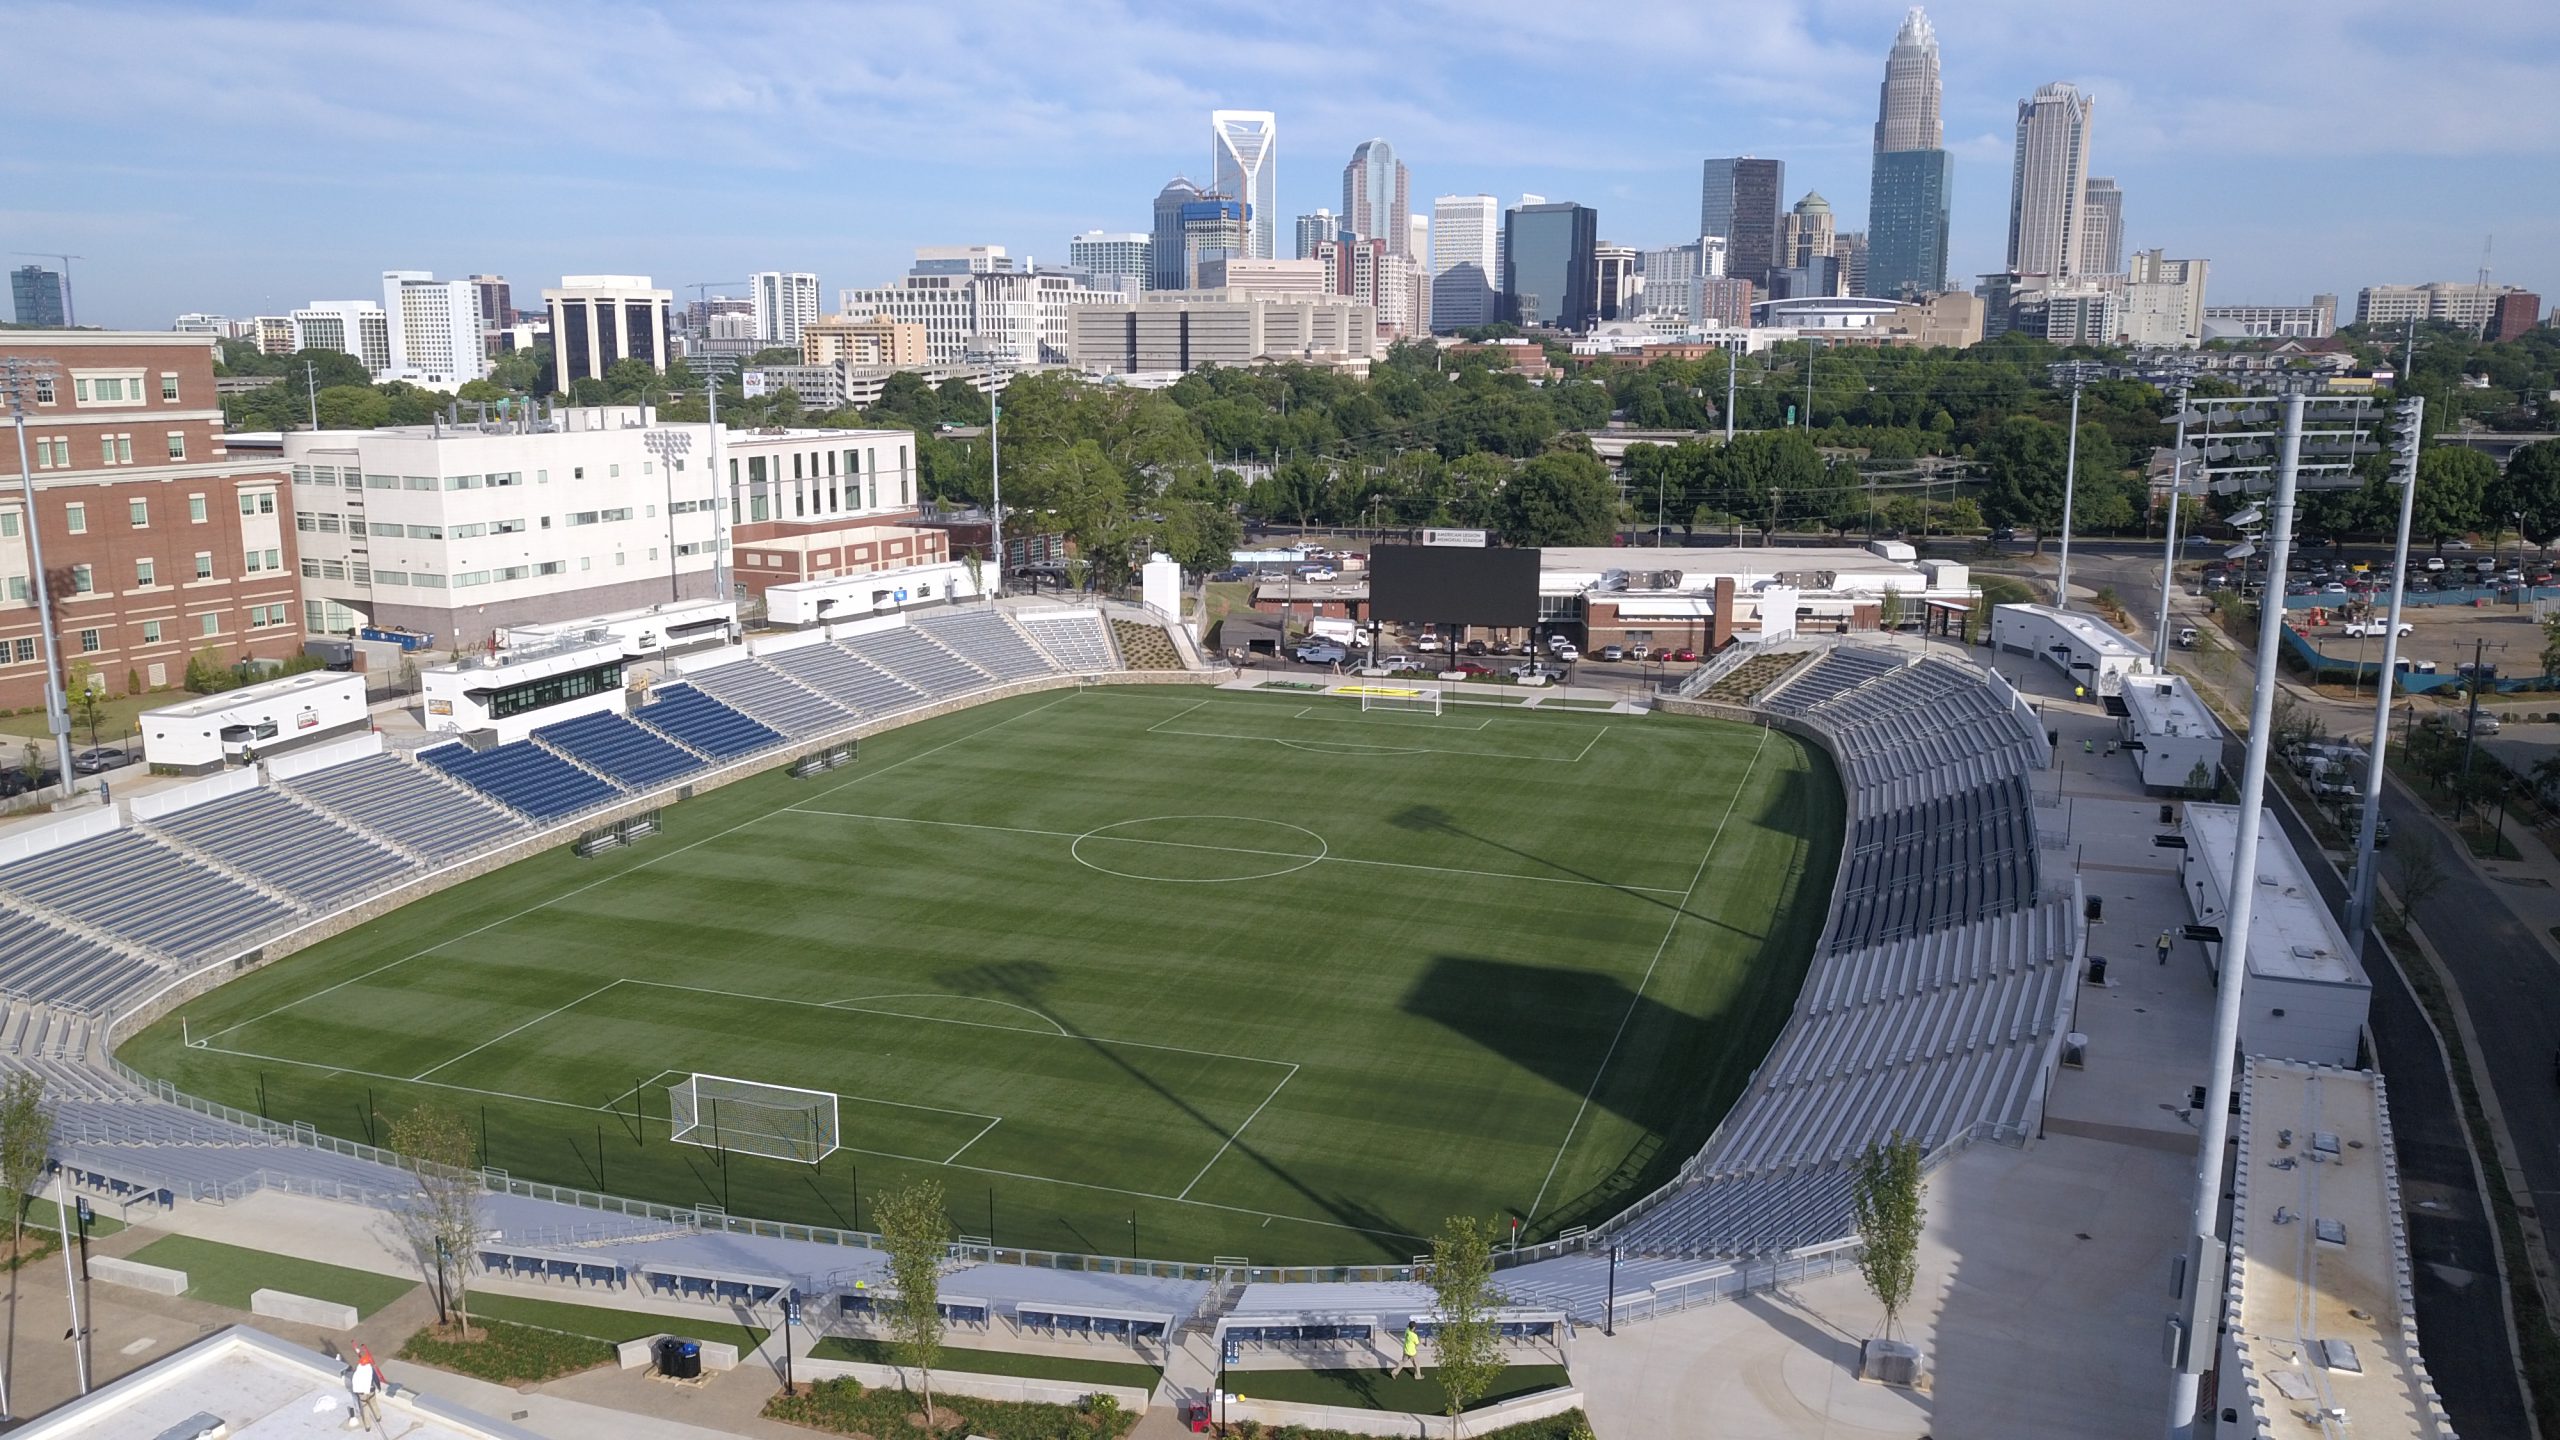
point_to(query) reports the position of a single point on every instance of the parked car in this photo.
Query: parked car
(1534, 670)
(2186, 637)
(2435, 563)
(1322, 652)
(1470, 669)
(15, 781)
(1682, 656)
(1613, 652)
(2355, 629)
(97, 760)
(2457, 545)
(1639, 652)
(1564, 650)
(1402, 665)
(1477, 647)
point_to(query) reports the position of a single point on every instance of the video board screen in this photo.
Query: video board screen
(1453, 585)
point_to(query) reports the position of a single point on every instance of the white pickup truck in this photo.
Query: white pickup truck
(2375, 628)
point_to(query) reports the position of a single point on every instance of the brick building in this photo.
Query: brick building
(157, 543)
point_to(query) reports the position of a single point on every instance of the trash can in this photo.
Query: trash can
(679, 1359)
(2097, 969)
(2094, 907)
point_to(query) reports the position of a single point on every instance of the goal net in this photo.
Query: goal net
(750, 1117)
(1424, 702)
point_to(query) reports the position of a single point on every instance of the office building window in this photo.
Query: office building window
(145, 574)
(195, 509)
(90, 642)
(168, 386)
(177, 445)
(211, 624)
(139, 512)
(124, 449)
(150, 632)
(8, 524)
(204, 564)
(80, 580)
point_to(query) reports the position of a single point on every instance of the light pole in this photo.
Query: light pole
(670, 447)
(2070, 486)
(2169, 552)
(722, 499)
(19, 375)
(995, 477)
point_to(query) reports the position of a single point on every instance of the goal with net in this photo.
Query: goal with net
(1423, 702)
(783, 1122)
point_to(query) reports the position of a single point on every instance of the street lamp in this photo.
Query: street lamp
(2079, 376)
(670, 447)
(19, 375)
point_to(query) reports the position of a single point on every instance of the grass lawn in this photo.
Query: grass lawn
(848, 1408)
(43, 1215)
(1074, 1369)
(599, 1322)
(1148, 969)
(1372, 1389)
(226, 1274)
(508, 1354)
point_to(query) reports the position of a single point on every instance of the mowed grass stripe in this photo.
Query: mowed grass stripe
(1444, 1024)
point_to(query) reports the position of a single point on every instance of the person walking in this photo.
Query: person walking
(1412, 1362)
(365, 1383)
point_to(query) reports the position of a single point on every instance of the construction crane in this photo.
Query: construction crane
(700, 287)
(67, 321)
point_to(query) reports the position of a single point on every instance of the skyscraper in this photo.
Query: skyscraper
(1549, 263)
(433, 329)
(2047, 181)
(1244, 158)
(1125, 262)
(1215, 229)
(1314, 230)
(2101, 227)
(1164, 255)
(38, 296)
(1739, 199)
(1467, 231)
(785, 300)
(1911, 186)
(1373, 195)
(1808, 231)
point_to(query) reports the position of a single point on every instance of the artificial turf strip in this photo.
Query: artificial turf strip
(602, 1322)
(1150, 970)
(1372, 1388)
(227, 1274)
(1070, 1368)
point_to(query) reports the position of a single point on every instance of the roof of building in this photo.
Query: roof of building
(258, 694)
(2166, 706)
(2319, 1306)
(255, 1384)
(2091, 633)
(2292, 936)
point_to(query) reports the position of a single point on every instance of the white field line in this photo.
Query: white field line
(855, 1002)
(529, 1024)
(619, 874)
(1678, 913)
(972, 1140)
(1236, 1133)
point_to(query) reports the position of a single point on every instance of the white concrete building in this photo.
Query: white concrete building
(433, 329)
(351, 327)
(785, 301)
(844, 382)
(2087, 650)
(2164, 301)
(1466, 269)
(1307, 279)
(992, 316)
(2307, 994)
(512, 691)
(211, 731)
(2169, 733)
(1125, 258)
(2469, 306)
(1178, 331)
(599, 320)
(2315, 321)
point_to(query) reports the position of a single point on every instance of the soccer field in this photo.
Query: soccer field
(1145, 970)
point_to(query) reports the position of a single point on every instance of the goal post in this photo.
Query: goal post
(1411, 702)
(750, 1117)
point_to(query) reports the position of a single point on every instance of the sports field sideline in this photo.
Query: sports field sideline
(1132, 970)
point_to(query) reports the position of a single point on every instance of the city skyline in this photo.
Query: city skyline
(154, 198)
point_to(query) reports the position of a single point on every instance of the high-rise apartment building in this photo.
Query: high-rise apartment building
(1313, 230)
(786, 302)
(1613, 281)
(360, 328)
(1164, 249)
(2048, 181)
(38, 296)
(159, 541)
(1740, 199)
(2515, 312)
(2101, 227)
(433, 327)
(1215, 229)
(2315, 321)
(1128, 257)
(1417, 240)
(2471, 306)
(1374, 198)
(2164, 301)
(1549, 254)
(871, 340)
(598, 321)
(1467, 231)
(1911, 187)
(1244, 157)
(496, 302)
(1849, 247)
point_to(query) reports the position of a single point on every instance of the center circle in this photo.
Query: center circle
(1199, 849)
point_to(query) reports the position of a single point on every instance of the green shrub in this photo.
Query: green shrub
(846, 1408)
(508, 1354)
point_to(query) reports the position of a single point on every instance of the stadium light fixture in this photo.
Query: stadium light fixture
(2241, 551)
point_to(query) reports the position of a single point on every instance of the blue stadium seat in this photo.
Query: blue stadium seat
(683, 713)
(525, 778)
(632, 756)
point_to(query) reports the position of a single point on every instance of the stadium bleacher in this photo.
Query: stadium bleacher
(1075, 640)
(770, 698)
(290, 847)
(524, 777)
(866, 690)
(632, 756)
(137, 889)
(687, 715)
(915, 658)
(411, 807)
(984, 638)
(41, 962)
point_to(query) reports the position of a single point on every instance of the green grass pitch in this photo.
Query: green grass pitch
(1144, 970)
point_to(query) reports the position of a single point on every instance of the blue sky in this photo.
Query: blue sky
(249, 157)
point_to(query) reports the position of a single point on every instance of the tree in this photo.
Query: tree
(917, 1232)
(208, 673)
(2023, 462)
(1885, 1197)
(1469, 1342)
(26, 1142)
(1561, 498)
(2417, 871)
(441, 1218)
(2531, 488)
(2551, 645)
(2453, 492)
(88, 696)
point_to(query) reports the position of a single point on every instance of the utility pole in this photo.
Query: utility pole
(311, 387)
(721, 497)
(19, 376)
(1732, 364)
(2360, 895)
(2202, 1278)
(2169, 554)
(2470, 729)
(2070, 484)
(995, 476)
